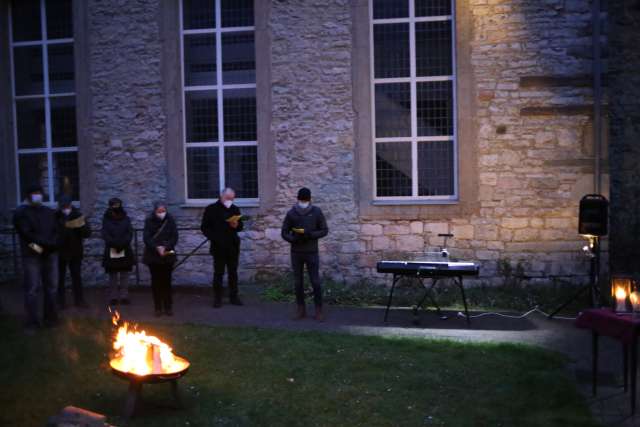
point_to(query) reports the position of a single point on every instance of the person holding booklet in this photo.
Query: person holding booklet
(221, 223)
(160, 239)
(73, 230)
(36, 226)
(118, 258)
(302, 227)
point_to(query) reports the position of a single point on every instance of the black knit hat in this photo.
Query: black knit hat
(304, 194)
(115, 202)
(34, 188)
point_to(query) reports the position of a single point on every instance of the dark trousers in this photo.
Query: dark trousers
(226, 259)
(312, 261)
(74, 265)
(40, 271)
(161, 285)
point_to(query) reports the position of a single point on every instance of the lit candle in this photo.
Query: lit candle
(635, 301)
(621, 299)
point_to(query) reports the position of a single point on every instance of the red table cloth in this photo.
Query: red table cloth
(604, 321)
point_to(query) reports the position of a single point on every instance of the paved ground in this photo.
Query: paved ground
(611, 406)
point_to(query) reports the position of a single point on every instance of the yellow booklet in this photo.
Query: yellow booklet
(298, 230)
(75, 223)
(234, 218)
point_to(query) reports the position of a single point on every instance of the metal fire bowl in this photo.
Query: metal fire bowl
(151, 378)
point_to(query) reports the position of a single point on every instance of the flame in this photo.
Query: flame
(621, 293)
(142, 354)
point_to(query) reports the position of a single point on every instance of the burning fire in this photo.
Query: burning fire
(142, 354)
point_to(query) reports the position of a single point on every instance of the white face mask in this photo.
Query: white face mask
(303, 205)
(36, 199)
(227, 203)
(161, 215)
(66, 211)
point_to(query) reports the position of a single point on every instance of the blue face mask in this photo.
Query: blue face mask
(303, 205)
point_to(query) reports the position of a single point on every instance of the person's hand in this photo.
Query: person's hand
(161, 250)
(233, 224)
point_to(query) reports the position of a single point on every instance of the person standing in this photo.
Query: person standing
(303, 225)
(73, 230)
(118, 258)
(160, 239)
(221, 223)
(38, 231)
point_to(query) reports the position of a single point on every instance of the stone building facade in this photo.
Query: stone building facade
(524, 154)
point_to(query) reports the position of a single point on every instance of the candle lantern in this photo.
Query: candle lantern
(635, 304)
(621, 289)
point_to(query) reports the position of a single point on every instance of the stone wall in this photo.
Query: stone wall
(625, 135)
(126, 119)
(535, 157)
(530, 65)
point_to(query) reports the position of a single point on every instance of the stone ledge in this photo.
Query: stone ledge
(578, 80)
(562, 110)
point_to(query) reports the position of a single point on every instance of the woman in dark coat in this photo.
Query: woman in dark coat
(118, 259)
(160, 239)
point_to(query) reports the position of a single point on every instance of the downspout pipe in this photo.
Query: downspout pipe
(597, 94)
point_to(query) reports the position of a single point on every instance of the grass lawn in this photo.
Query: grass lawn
(245, 376)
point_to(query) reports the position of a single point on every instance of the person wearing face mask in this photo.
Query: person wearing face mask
(37, 228)
(73, 230)
(118, 258)
(303, 225)
(160, 239)
(221, 223)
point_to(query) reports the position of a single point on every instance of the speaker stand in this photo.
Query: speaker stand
(594, 279)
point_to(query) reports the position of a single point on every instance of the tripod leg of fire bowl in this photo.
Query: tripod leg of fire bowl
(175, 391)
(132, 399)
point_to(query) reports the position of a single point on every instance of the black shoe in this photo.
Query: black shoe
(125, 301)
(30, 328)
(113, 302)
(235, 301)
(168, 312)
(61, 304)
(50, 323)
(158, 312)
(217, 303)
(82, 304)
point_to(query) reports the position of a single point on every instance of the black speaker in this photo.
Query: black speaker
(594, 215)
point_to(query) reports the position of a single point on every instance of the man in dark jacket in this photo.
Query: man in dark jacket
(302, 227)
(73, 230)
(38, 231)
(221, 223)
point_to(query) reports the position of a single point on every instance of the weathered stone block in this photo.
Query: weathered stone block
(462, 232)
(417, 227)
(371, 229)
(381, 243)
(514, 222)
(396, 229)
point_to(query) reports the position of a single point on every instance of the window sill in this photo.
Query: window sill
(413, 202)
(205, 203)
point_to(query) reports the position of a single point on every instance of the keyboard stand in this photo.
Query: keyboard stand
(457, 280)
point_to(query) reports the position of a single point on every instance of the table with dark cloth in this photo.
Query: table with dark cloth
(621, 327)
